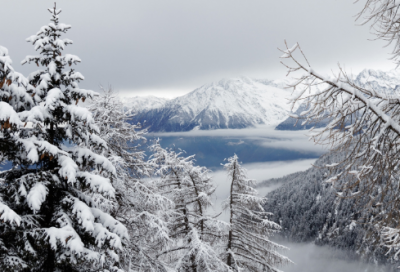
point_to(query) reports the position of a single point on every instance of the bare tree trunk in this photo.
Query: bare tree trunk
(230, 237)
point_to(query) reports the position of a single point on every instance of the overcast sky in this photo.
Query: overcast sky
(170, 47)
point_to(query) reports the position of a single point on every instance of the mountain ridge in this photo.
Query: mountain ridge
(229, 103)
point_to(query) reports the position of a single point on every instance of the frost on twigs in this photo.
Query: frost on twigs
(197, 237)
(248, 245)
(383, 17)
(364, 125)
(141, 207)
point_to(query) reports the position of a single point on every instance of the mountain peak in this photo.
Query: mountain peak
(228, 103)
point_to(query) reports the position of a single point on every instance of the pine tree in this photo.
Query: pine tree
(142, 209)
(62, 195)
(14, 97)
(14, 90)
(196, 235)
(248, 246)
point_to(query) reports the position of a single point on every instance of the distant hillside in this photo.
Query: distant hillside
(229, 103)
(296, 124)
(308, 210)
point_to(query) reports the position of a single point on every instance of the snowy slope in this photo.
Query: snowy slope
(229, 103)
(143, 103)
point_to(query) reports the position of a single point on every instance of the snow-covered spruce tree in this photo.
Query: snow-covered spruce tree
(196, 236)
(62, 194)
(363, 123)
(248, 246)
(141, 208)
(14, 95)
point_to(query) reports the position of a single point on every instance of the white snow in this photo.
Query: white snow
(241, 97)
(37, 195)
(143, 103)
(236, 102)
(6, 214)
(7, 113)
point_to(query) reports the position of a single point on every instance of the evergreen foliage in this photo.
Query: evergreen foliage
(81, 195)
(57, 198)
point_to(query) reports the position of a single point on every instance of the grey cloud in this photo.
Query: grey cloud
(156, 45)
(308, 257)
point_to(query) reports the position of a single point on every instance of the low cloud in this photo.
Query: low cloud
(308, 257)
(263, 135)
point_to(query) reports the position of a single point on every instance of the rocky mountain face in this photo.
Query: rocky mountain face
(229, 103)
(382, 82)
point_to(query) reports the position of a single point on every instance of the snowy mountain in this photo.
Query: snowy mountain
(230, 103)
(380, 81)
(143, 103)
(383, 82)
(291, 123)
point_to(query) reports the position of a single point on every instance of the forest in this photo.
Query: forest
(82, 194)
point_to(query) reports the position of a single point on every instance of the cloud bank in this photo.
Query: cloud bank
(263, 135)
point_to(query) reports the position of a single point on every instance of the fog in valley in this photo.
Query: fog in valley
(308, 257)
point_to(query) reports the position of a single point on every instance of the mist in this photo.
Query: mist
(264, 135)
(308, 257)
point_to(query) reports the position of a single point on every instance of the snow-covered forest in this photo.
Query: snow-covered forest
(93, 181)
(81, 196)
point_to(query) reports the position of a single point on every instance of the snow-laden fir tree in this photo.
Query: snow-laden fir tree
(248, 246)
(58, 196)
(141, 207)
(14, 98)
(196, 236)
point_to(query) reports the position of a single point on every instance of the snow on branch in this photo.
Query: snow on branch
(8, 114)
(364, 125)
(36, 196)
(113, 225)
(8, 215)
(98, 183)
